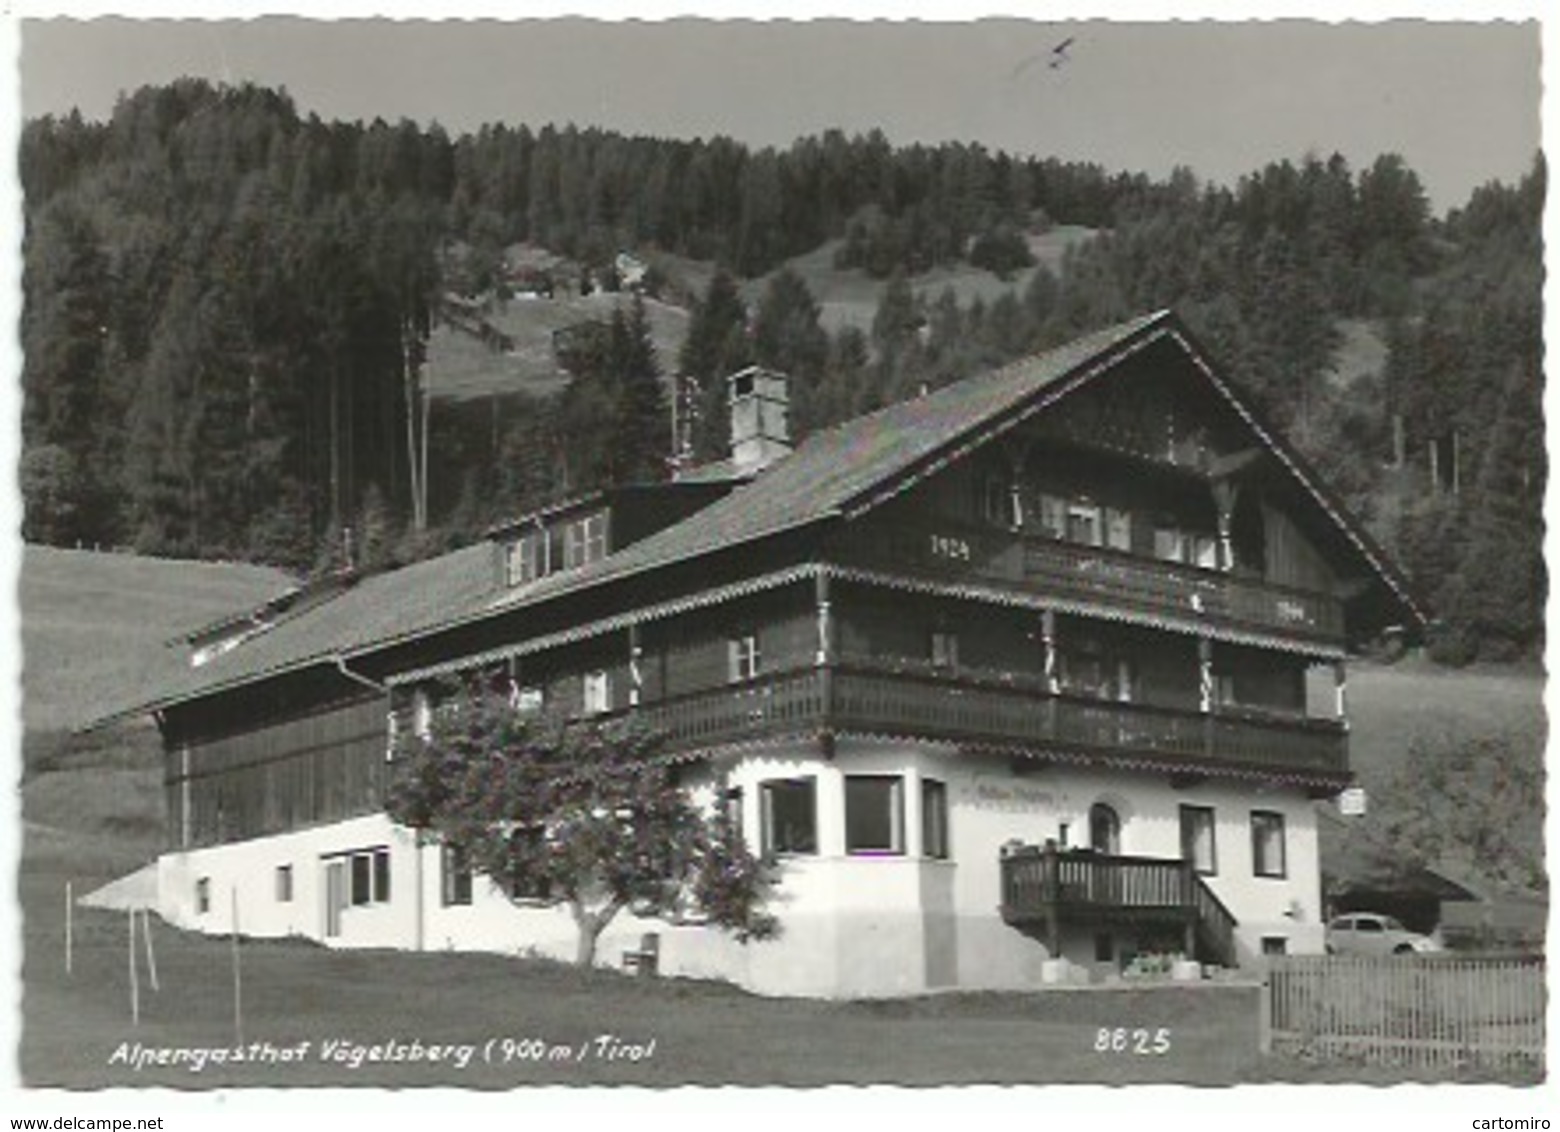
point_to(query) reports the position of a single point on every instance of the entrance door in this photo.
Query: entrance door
(1105, 839)
(335, 896)
(1104, 829)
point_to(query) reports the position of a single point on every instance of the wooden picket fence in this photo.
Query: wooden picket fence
(1436, 1011)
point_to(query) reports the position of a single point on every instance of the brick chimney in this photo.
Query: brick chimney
(760, 434)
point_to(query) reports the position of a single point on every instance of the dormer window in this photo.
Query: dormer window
(528, 558)
(585, 540)
(562, 546)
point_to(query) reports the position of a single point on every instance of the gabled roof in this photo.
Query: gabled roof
(835, 473)
(837, 468)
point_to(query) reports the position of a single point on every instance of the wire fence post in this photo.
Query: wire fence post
(69, 928)
(151, 957)
(135, 984)
(238, 979)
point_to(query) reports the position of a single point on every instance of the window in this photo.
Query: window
(422, 714)
(1172, 544)
(934, 819)
(1104, 829)
(1118, 529)
(874, 814)
(527, 699)
(733, 803)
(997, 502)
(1267, 844)
(1197, 840)
(597, 694)
(790, 813)
(1275, 945)
(455, 876)
(1053, 516)
(1083, 524)
(1169, 544)
(742, 658)
(530, 845)
(527, 558)
(203, 896)
(1224, 689)
(284, 884)
(1097, 676)
(945, 649)
(585, 540)
(369, 876)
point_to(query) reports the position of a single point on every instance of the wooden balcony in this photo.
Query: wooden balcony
(1153, 586)
(1106, 578)
(1052, 888)
(1013, 712)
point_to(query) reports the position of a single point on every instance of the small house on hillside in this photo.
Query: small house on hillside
(1009, 673)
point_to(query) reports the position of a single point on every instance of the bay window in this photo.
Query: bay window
(874, 814)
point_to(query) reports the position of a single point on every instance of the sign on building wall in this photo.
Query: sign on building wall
(997, 793)
(1351, 803)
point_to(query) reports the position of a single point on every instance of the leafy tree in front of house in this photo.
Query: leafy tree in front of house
(586, 815)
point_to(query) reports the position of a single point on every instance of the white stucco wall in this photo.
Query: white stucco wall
(850, 925)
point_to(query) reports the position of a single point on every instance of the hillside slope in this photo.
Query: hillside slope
(94, 626)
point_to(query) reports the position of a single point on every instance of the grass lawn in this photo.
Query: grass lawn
(506, 1008)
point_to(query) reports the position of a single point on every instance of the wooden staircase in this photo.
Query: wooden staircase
(1050, 887)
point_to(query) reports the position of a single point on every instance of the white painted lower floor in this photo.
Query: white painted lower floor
(920, 915)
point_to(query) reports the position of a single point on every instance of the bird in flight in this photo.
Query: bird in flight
(1058, 56)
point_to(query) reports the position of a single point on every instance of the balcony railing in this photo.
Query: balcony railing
(1018, 712)
(1111, 578)
(1154, 586)
(1051, 887)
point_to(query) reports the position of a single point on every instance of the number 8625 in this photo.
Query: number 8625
(1139, 1041)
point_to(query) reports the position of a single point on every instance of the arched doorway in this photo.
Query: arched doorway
(1104, 829)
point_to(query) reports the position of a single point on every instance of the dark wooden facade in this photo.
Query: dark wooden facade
(230, 777)
(1129, 580)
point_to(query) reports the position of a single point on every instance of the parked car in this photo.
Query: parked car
(1371, 933)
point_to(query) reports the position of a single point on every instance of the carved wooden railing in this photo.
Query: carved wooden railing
(998, 711)
(1112, 578)
(1151, 585)
(1054, 887)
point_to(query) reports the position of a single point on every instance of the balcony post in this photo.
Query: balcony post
(1205, 689)
(1048, 641)
(636, 675)
(1050, 891)
(824, 660)
(1225, 493)
(1341, 693)
(825, 652)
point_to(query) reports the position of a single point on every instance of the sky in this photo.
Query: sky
(1460, 101)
